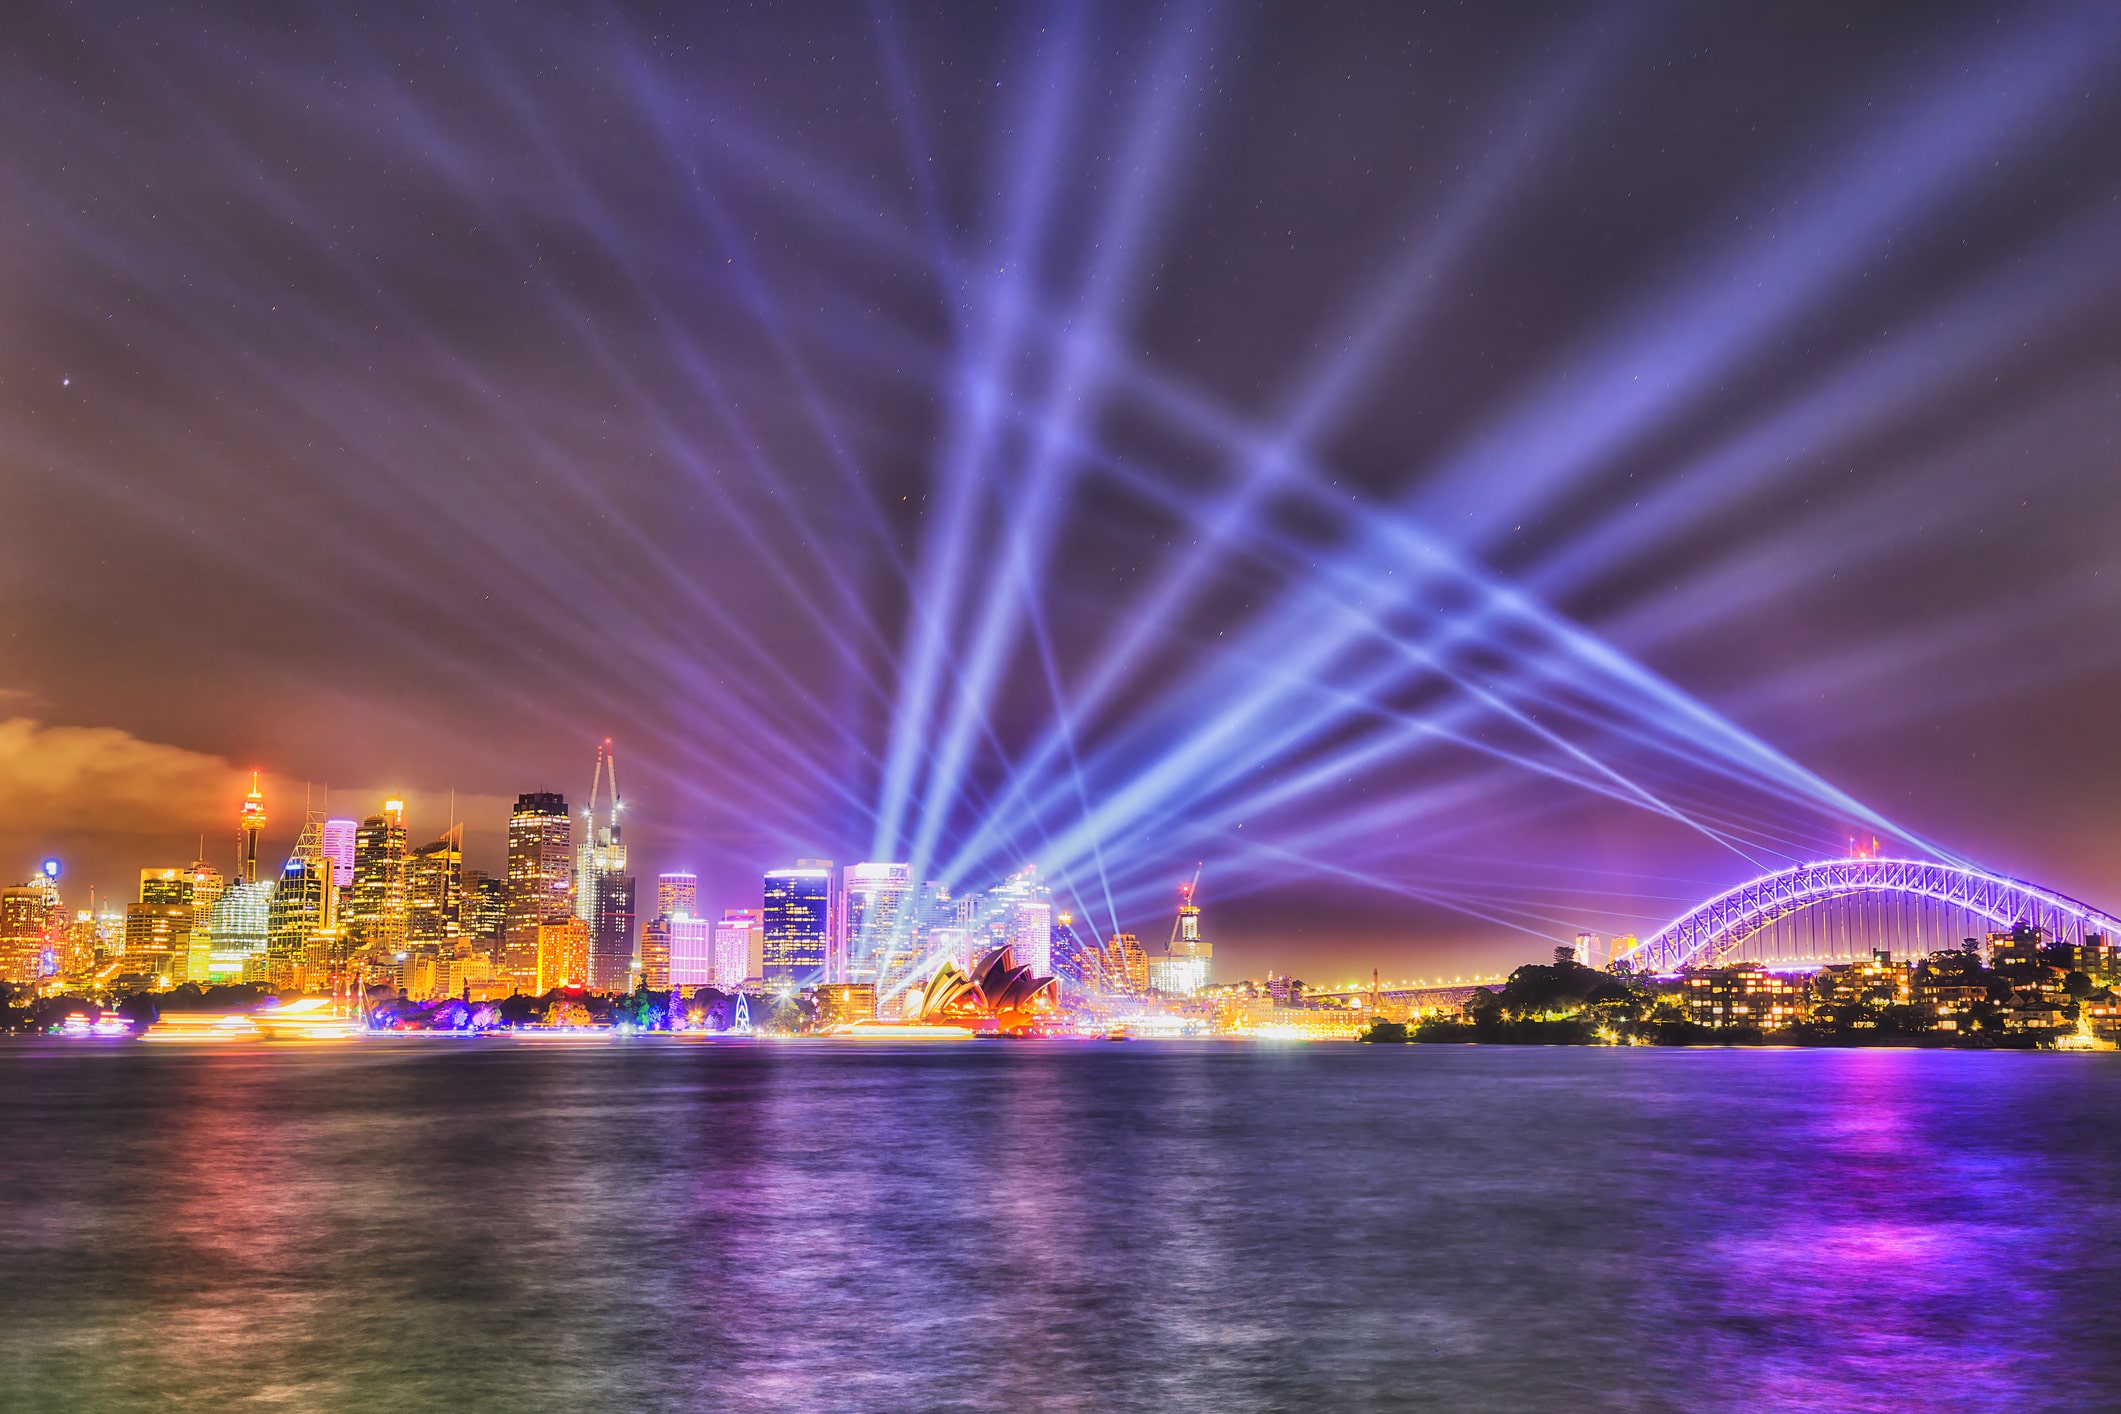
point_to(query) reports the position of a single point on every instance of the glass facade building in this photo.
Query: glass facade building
(797, 913)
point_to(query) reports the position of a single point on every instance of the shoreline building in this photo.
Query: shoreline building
(797, 915)
(677, 892)
(691, 950)
(158, 926)
(1016, 914)
(483, 910)
(876, 941)
(1125, 966)
(564, 945)
(32, 919)
(375, 905)
(1183, 969)
(540, 878)
(434, 892)
(195, 953)
(677, 895)
(299, 912)
(338, 846)
(604, 891)
(739, 948)
(239, 932)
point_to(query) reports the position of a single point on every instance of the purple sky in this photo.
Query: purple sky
(1464, 477)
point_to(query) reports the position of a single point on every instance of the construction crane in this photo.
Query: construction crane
(1185, 897)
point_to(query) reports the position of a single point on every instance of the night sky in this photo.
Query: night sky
(1462, 474)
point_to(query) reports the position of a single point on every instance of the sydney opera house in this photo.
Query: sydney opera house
(996, 996)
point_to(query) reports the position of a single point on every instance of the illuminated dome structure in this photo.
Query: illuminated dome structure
(996, 995)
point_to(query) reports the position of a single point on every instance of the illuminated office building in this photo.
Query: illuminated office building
(876, 941)
(843, 1003)
(32, 920)
(691, 950)
(468, 973)
(611, 925)
(483, 912)
(194, 957)
(1016, 914)
(609, 892)
(563, 953)
(1183, 969)
(338, 845)
(604, 893)
(655, 952)
(1031, 937)
(239, 928)
(158, 927)
(299, 910)
(434, 881)
(540, 876)
(677, 893)
(951, 944)
(1076, 958)
(740, 947)
(166, 886)
(593, 845)
(78, 946)
(798, 921)
(1124, 966)
(374, 908)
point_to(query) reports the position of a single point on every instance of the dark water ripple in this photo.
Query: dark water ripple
(428, 1223)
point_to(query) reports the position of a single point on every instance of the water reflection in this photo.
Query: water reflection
(434, 1223)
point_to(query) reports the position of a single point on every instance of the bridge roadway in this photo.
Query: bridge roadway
(1709, 932)
(1446, 998)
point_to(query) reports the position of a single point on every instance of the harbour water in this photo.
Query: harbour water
(430, 1223)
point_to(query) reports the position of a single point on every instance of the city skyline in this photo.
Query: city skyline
(1443, 472)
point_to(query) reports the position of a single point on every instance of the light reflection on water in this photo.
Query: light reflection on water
(420, 1224)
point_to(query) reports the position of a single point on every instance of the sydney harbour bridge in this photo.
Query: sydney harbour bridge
(1841, 908)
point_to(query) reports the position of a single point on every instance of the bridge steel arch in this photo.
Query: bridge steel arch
(1706, 934)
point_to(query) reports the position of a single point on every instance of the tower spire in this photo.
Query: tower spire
(253, 820)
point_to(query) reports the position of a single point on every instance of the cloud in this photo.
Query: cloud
(100, 780)
(75, 781)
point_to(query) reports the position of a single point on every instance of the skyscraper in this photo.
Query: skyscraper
(739, 948)
(1183, 968)
(299, 910)
(1126, 963)
(540, 877)
(31, 919)
(338, 845)
(158, 927)
(611, 925)
(1016, 914)
(655, 952)
(563, 953)
(691, 950)
(374, 911)
(1031, 937)
(194, 954)
(239, 928)
(604, 891)
(483, 914)
(676, 893)
(433, 892)
(878, 930)
(798, 922)
(603, 785)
